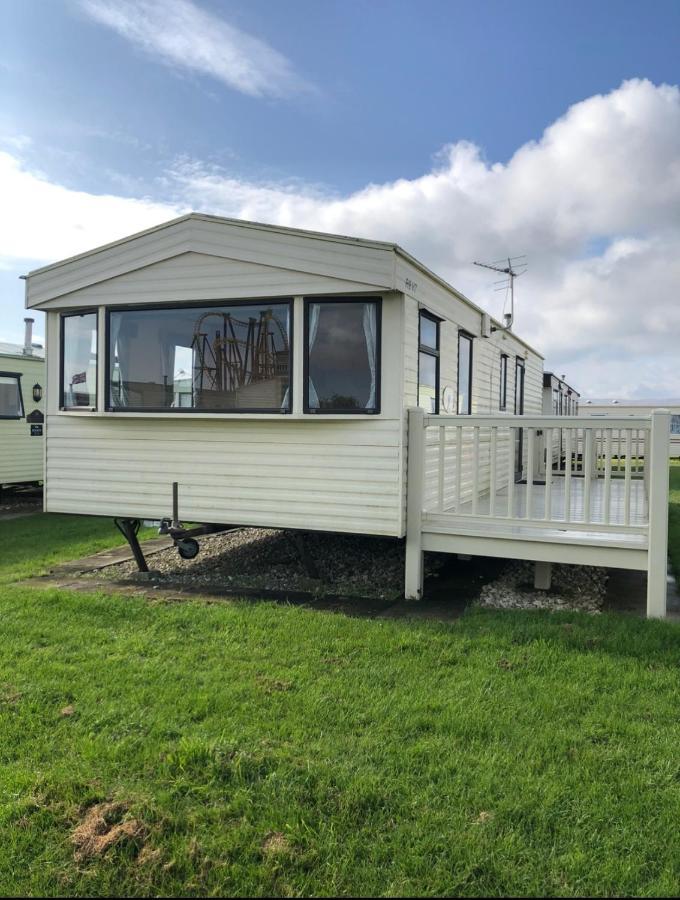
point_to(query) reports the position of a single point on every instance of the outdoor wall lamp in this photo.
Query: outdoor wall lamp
(37, 393)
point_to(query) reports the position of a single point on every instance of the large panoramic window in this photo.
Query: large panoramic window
(232, 357)
(342, 356)
(428, 363)
(11, 405)
(79, 360)
(464, 374)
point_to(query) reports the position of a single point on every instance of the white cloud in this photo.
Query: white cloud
(182, 34)
(595, 203)
(45, 221)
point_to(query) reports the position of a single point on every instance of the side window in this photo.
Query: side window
(428, 363)
(519, 386)
(342, 356)
(464, 374)
(11, 401)
(79, 360)
(503, 399)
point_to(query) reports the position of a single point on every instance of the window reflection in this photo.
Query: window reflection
(223, 358)
(342, 356)
(79, 361)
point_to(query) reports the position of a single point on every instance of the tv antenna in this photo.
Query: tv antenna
(513, 270)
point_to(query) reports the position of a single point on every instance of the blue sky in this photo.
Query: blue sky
(328, 98)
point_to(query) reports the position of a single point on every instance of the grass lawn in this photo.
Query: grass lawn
(256, 749)
(32, 544)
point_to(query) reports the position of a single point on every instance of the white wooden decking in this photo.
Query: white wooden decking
(596, 518)
(531, 504)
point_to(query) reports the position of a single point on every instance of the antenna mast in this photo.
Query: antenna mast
(513, 270)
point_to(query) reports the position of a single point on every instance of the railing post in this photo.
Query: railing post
(415, 491)
(657, 554)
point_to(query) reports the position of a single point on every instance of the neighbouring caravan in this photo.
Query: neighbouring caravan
(22, 382)
(228, 372)
(559, 398)
(620, 408)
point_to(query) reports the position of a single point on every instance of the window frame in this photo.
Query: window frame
(520, 363)
(470, 337)
(196, 304)
(88, 311)
(18, 418)
(503, 387)
(436, 354)
(341, 298)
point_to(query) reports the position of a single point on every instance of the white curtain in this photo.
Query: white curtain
(120, 354)
(286, 396)
(371, 345)
(314, 313)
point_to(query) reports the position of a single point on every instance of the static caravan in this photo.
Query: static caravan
(637, 408)
(22, 381)
(559, 398)
(227, 372)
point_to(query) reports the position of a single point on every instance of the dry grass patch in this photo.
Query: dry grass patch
(104, 826)
(276, 844)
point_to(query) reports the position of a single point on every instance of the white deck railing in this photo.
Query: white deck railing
(600, 482)
(545, 469)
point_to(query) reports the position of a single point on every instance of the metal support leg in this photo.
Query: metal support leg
(129, 528)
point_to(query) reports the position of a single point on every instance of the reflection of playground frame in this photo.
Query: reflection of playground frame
(228, 362)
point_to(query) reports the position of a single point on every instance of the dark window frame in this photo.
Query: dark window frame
(315, 411)
(18, 418)
(503, 387)
(429, 351)
(520, 363)
(466, 336)
(88, 311)
(197, 304)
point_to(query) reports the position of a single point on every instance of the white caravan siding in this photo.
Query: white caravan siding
(327, 475)
(486, 356)
(353, 261)
(21, 455)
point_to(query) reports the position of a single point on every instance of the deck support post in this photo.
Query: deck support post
(542, 576)
(657, 554)
(415, 490)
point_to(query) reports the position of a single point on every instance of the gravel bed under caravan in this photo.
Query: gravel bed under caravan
(573, 588)
(352, 566)
(269, 559)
